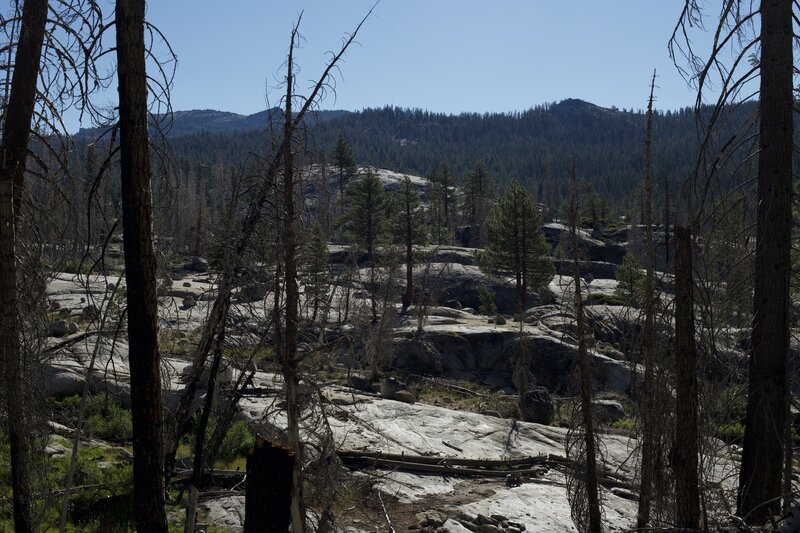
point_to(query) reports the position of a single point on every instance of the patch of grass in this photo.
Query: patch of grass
(480, 400)
(234, 447)
(104, 418)
(626, 424)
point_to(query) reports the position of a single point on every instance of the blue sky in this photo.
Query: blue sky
(447, 56)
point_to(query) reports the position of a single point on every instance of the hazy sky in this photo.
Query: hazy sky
(450, 56)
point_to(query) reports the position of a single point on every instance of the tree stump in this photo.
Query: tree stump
(269, 487)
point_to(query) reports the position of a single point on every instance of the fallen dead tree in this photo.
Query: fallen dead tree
(453, 466)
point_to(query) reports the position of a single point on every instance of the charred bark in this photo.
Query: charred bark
(762, 458)
(684, 459)
(14, 153)
(140, 269)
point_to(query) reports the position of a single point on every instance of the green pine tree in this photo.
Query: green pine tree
(630, 281)
(516, 246)
(366, 221)
(478, 193)
(409, 228)
(344, 162)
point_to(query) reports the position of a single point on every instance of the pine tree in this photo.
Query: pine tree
(441, 200)
(366, 220)
(344, 162)
(630, 281)
(478, 192)
(516, 246)
(409, 228)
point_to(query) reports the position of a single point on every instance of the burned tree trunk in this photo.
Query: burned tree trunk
(590, 519)
(14, 153)
(648, 455)
(269, 488)
(288, 357)
(140, 269)
(762, 456)
(684, 460)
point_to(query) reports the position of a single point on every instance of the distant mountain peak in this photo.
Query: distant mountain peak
(576, 104)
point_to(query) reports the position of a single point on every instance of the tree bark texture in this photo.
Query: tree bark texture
(140, 269)
(684, 460)
(762, 457)
(14, 151)
(592, 490)
(648, 469)
(289, 360)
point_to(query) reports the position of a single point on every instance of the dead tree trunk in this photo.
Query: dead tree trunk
(684, 460)
(648, 454)
(762, 457)
(140, 269)
(254, 214)
(594, 524)
(268, 496)
(200, 438)
(408, 298)
(289, 357)
(14, 153)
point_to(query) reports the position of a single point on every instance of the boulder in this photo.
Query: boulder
(404, 396)
(390, 386)
(361, 383)
(595, 269)
(59, 328)
(90, 312)
(536, 405)
(431, 519)
(448, 282)
(111, 287)
(197, 264)
(454, 304)
(450, 254)
(225, 375)
(500, 320)
(73, 328)
(61, 382)
(189, 302)
(419, 355)
(254, 293)
(608, 411)
(595, 249)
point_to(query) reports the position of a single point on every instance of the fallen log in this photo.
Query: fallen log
(457, 461)
(455, 466)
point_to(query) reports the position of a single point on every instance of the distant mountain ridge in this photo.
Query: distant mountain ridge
(193, 121)
(537, 146)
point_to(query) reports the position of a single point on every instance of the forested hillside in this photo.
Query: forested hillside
(536, 146)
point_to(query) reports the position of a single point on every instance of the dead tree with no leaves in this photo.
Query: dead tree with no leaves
(583, 487)
(16, 135)
(733, 62)
(140, 268)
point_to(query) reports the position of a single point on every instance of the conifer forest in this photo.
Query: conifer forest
(568, 317)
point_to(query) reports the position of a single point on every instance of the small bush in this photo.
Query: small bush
(108, 420)
(104, 418)
(486, 298)
(237, 441)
